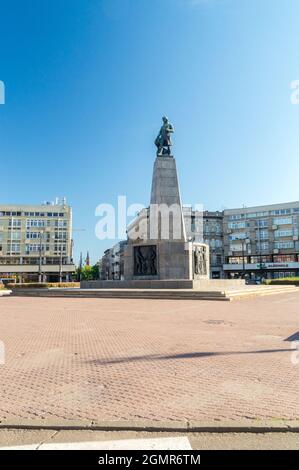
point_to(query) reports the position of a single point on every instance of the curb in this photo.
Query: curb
(156, 426)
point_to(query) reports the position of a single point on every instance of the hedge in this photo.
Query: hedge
(283, 281)
(41, 285)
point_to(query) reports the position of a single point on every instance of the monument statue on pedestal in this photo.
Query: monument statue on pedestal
(163, 140)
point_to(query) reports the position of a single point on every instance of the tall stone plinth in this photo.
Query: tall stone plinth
(157, 245)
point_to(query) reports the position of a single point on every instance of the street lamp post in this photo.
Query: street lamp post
(260, 250)
(243, 258)
(244, 243)
(40, 273)
(60, 234)
(60, 264)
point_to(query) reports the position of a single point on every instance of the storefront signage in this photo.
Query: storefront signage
(255, 266)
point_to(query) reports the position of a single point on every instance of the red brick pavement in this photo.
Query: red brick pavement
(114, 359)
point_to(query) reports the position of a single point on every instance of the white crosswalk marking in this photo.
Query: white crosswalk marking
(166, 443)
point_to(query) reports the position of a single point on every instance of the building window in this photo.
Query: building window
(60, 223)
(283, 221)
(284, 245)
(238, 236)
(59, 248)
(237, 247)
(35, 223)
(263, 246)
(35, 248)
(284, 258)
(32, 235)
(261, 223)
(237, 260)
(261, 259)
(281, 212)
(15, 235)
(236, 225)
(283, 233)
(60, 235)
(263, 234)
(282, 274)
(15, 223)
(14, 249)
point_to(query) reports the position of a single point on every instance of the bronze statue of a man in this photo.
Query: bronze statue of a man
(163, 140)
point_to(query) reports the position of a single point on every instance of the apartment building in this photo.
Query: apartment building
(36, 242)
(213, 236)
(112, 262)
(261, 242)
(252, 242)
(207, 227)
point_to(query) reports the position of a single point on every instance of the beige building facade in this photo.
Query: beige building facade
(36, 242)
(261, 241)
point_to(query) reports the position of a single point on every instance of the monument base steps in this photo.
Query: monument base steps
(166, 294)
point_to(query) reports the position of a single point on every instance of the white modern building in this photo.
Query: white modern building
(36, 242)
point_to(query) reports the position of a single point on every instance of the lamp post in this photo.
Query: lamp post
(243, 259)
(40, 273)
(260, 250)
(244, 242)
(60, 264)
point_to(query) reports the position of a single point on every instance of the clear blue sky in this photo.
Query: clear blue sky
(87, 82)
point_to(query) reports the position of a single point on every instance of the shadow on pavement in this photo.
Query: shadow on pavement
(191, 355)
(294, 337)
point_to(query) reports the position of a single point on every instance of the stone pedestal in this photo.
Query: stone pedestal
(173, 260)
(161, 250)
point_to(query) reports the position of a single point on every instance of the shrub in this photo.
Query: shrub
(283, 281)
(42, 285)
(27, 285)
(63, 284)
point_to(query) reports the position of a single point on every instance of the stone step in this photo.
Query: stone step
(125, 294)
(171, 294)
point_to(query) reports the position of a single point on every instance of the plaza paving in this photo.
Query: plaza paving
(149, 360)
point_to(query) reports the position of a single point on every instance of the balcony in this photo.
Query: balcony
(34, 268)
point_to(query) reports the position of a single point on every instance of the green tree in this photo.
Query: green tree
(88, 273)
(95, 271)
